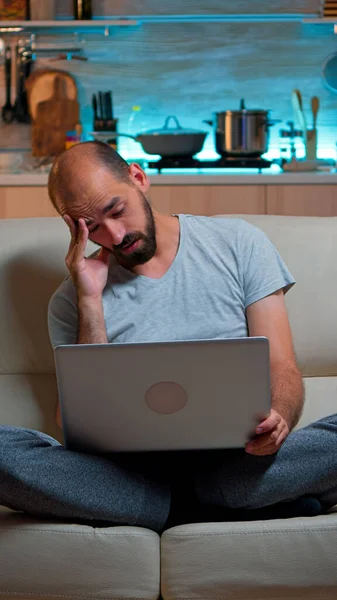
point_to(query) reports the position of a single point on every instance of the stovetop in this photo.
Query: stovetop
(188, 162)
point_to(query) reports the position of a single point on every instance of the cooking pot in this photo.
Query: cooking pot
(166, 141)
(242, 132)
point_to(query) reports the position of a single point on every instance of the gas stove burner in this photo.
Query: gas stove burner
(224, 162)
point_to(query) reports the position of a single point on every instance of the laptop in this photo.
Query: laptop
(154, 396)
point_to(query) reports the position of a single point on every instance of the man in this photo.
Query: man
(166, 277)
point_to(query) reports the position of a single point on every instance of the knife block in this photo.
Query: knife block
(311, 144)
(105, 126)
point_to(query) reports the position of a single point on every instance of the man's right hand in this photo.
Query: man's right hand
(88, 274)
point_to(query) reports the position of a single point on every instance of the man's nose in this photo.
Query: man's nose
(116, 232)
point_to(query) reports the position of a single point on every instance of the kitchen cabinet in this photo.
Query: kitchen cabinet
(209, 199)
(18, 202)
(302, 200)
(299, 200)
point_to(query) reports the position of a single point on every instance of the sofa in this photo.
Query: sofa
(277, 559)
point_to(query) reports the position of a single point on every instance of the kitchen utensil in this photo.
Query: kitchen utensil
(167, 141)
(315, 109)
(101, 106)
(108, 106)
(94, 106)
(54, 117)
(23, 64)
(296, 98)
(242, 132)
(7, 109)
(111, 107)
(40, 87)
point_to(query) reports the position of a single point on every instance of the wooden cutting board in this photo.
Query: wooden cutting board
(54, 117)
(40, 87)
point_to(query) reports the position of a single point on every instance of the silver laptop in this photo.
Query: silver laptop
(162, 396)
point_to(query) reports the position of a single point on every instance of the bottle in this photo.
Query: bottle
(82, 10)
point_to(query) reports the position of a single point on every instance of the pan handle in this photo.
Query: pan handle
(111, 135)
(208, 122)
(271, 122)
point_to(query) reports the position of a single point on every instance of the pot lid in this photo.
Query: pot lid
(245, 111)
(177, 129)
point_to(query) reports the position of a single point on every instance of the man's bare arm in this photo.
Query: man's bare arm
(268, 317)
(89, 276)
(91, 328)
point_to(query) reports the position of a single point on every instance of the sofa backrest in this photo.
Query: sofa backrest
(32, 253)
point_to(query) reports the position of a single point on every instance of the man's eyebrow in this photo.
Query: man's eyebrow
(106, 209)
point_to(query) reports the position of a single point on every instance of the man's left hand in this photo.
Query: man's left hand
(271, 433)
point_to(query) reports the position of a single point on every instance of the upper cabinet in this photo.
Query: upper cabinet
(201, 7)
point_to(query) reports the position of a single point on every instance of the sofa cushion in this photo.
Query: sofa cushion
(51, 559)
(29, 400)
(262, 560)
(32, 253)
(320, 399)
(309, 247)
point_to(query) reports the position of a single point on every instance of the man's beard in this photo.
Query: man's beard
(148, 246)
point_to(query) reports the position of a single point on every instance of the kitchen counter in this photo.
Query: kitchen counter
(199, 177)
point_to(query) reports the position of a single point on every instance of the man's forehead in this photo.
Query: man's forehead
(104, 209)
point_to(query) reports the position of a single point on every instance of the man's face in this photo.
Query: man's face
(118, 216)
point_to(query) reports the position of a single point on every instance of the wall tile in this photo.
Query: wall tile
(193, 70)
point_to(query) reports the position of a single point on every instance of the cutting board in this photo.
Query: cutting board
(40, 87)
(54, 117)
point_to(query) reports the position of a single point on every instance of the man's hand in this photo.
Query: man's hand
(271, 433)
(89, 274)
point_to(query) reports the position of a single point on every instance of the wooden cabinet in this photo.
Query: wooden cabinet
(302, 200)
(299, 200)
(18, 202)
(209, 199)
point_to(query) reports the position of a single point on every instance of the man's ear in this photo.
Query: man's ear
(139, 177)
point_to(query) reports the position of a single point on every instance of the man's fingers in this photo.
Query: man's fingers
(81, 244)
(73, 233)
(270, 423)
(267, 443)
(72, 227)
(265, 451)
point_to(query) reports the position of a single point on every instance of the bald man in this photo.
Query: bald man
(168, 277)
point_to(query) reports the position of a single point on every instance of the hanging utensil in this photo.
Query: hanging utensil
(7, 109)
(297, 103)
(315, 109)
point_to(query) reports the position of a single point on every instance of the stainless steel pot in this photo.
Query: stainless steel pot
(242, 132)
(166, 141)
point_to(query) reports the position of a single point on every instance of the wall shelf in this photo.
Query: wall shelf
(133, 20)
(321, 21)
(69, 26)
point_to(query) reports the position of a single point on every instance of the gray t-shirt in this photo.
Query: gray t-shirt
(221, 267)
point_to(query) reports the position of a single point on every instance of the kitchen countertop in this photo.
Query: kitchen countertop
(199, 177)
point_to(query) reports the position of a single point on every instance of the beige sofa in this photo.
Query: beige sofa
(280, 559)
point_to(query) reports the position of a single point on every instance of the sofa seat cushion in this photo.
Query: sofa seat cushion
(286, 559)
(29, 400)
(53, 559)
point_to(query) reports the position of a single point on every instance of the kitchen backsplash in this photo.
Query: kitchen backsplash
(192, 70)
